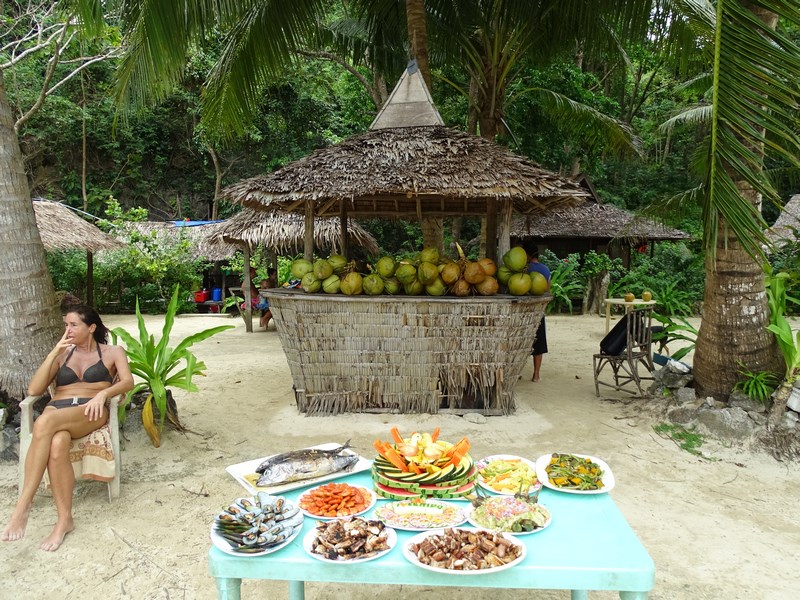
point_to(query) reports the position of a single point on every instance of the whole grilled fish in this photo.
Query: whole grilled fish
(304, 464)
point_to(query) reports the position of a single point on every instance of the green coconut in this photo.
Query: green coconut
(430, 255)
(352, 284)
(406, 273)
(331, 284)
(386, 267)
(503, 273)
(437, 288)
(415, 288)
(538, 283)
(338, 262)
(516, 259)
(310, 283)
(322, 269)
(427, 273)
(373, 284)
(300, 267)
(519, 284)
(392, 286)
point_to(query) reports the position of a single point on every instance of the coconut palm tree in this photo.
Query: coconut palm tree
(754, 107)
(29, 315)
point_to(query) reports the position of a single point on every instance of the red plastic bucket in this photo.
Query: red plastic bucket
(201, 296)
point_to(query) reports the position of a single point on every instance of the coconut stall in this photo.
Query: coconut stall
(408, 353)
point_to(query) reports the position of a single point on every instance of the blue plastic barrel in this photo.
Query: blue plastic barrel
(216, 294)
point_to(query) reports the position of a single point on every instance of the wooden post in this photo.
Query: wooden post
(308, 249)
(504, 241)
(248, 285)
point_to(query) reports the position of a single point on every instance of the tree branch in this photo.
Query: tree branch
(373, 93)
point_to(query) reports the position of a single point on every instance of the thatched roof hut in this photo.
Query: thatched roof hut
(787, 227)
(408, 172)
(284, 232)
(61, 229)
(167, 232)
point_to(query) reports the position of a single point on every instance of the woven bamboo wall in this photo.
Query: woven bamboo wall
(414, 354)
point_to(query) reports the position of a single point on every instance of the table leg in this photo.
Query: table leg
(633, 595)
(296, 590)
(579, 595)
(228, 588)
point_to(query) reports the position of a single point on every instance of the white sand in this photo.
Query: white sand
(728, 528)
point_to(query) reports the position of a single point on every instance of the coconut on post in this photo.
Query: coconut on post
(407, 353)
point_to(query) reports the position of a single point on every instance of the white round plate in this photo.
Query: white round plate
(412, 557)
(309, 537)
(485, 461)
(607, 478)
(473, 522)
(222, 544)
(455, 515)
(372, 495)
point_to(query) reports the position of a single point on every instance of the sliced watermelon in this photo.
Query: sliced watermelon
(394, 493)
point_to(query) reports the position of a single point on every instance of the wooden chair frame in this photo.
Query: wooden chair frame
(638, 351)
(26, 433)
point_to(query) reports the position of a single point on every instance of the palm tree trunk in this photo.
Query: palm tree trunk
(735, 316)
(29, 315)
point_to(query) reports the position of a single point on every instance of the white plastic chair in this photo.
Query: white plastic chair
(26, 433)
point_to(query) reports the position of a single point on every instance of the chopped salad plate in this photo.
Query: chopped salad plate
(420, 515)
(505, 473)
(606, 477)
(499, 513)
(245, 472)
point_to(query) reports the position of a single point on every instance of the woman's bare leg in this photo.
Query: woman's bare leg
(62, 480)
(45, 427)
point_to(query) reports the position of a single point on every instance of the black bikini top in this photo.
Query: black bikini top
(94, 374)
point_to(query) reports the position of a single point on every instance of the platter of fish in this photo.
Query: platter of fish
(349, 540)
(298, 468)
(464, 551)
(256, 526)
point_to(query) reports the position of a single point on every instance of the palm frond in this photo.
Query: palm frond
(697, 115)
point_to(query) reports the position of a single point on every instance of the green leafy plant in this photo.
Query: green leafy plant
(672, 300)
(684, 438)
(564, 283)
(758, 385)
(787, 342)
(676, 329)
(233, 300)
(161, 367)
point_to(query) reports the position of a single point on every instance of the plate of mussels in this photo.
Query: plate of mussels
(255, 526)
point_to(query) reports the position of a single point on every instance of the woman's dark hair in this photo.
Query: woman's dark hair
(90, 316)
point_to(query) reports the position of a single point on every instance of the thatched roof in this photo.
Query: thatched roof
(61, 229)
(409, 105)
(166, 232)
(787, 226)
(284, 232)
(593, 220)
(407, 172)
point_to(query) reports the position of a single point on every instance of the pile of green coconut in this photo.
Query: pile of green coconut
(428, 273)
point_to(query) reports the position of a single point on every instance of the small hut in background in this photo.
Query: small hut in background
(593, 225)
(787, 228)
(62, 229)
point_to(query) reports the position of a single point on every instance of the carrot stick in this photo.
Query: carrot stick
(435, 434)
(398, 439)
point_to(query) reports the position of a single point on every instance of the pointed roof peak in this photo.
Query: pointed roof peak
(410, 103)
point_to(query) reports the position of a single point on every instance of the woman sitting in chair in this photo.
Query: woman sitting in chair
(87, 372)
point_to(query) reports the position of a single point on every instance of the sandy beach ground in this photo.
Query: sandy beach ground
(723, 528)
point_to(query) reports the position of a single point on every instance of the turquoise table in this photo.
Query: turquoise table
(588, 546)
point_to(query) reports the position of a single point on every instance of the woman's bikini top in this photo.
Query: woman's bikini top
(94, 374)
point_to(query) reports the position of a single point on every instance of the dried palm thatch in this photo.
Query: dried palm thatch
(787, 227)
(407, 172)
(284, 232)
(414, 354)
(593, 220)
(166, 233)
(61, 229)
